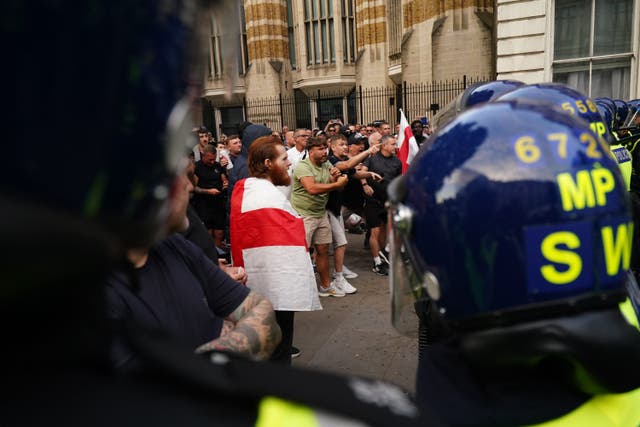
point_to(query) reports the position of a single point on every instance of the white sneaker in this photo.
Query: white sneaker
(341, 284)
(348, 274)
(331, 291)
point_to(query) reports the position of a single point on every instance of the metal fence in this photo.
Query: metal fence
(361, 105)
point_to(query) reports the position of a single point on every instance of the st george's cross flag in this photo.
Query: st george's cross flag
(268, 240)
(407, 145)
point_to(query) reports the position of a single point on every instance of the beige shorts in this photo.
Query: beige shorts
(337, 230)
(317, 230)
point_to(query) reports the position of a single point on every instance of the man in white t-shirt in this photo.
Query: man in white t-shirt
(299, 150)
(295, 154)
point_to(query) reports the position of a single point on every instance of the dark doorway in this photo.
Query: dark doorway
(230, 119)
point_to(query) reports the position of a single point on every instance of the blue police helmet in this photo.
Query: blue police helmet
(99, 117)
(633, 116)
(487, 92)
(607, 114)
(622, 109)
(607, 101)
(568, 99)
(476, 94)
(516, 212)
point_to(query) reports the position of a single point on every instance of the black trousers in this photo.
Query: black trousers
(282, 353)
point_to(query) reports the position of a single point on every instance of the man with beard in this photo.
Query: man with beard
(163, 289)
(313, 179)
(265, 228)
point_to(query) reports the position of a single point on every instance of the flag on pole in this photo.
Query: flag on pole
(268, 239)
(407, 145)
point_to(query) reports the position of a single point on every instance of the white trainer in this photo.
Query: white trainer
(348, 274)
(341, 284)
(330, 291)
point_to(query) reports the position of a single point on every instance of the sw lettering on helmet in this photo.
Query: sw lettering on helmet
(577, 254)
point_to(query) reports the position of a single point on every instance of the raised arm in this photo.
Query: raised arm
(357, 159)
(254, 331)
(313, 187)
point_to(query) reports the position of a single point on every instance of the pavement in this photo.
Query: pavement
(353, 334)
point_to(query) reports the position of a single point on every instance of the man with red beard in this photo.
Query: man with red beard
(266, 228)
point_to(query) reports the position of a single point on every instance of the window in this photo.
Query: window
(215, 58)
(592, 46)
(318, 24)
(292, 42)
(348, 31)
(217, 40)
(243, 57)
(394, 21)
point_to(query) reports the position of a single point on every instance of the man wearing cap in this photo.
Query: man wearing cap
(249, 132)
(352, 195)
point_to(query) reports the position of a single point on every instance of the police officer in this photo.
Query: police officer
(617, 149)
(111, 84)
(511, 237)
(575, 103)
(630, 137)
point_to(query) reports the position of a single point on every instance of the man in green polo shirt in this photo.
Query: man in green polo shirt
(313, 179)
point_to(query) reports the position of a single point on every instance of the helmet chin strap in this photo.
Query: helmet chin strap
(594, 352)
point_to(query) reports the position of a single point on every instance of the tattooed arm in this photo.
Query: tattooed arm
(254, 329)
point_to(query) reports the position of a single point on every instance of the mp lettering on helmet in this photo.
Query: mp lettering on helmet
(562, 255)
(586, 189)
(599, 129)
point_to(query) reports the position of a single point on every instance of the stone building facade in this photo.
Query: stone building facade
(323, 53)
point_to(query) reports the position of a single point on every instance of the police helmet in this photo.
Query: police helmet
(607, 101)
(633, 116)
(515, 213)
(476, 94)
(607, 114)
(100, 119)
(621, 112)
(568, 99)
(486, 92)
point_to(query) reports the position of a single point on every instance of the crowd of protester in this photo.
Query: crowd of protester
(322, 183)
(218, 165)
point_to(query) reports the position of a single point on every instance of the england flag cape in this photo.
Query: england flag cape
(268, 240)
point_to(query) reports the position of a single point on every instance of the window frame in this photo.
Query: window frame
(319, 32)
(592, 60)
(216, 65)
